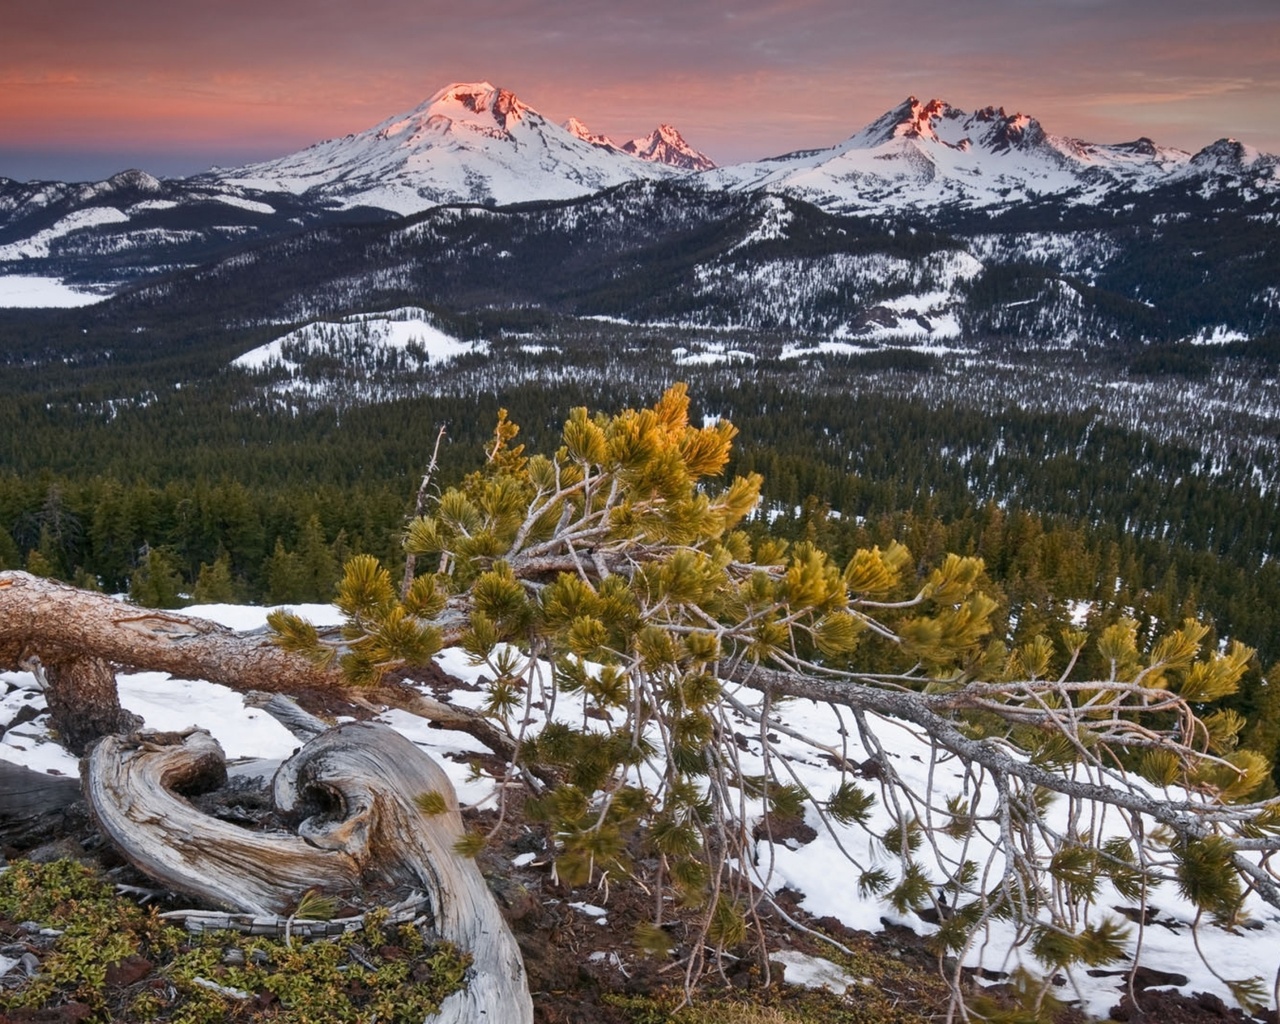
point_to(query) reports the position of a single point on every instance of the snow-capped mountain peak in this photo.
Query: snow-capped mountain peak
(929, 154)
(1233, 157)
(476, 107)
(479, 104)
(938, 122)
(579, 130)
(469, 142)
(665, 145)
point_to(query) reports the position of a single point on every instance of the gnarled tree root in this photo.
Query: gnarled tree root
(353, 792)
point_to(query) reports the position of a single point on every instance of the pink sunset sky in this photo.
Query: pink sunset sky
(173, 86)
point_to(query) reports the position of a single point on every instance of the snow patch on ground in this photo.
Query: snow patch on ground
(396, 329)
(815, 972)
(710, 353)
(1219, 335)
(251, 205)
(20, 291)
(150, 205)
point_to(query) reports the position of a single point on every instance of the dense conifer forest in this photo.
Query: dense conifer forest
(158, 471)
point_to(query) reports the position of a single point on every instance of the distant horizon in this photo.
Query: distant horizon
(87, 166)
(90, 89)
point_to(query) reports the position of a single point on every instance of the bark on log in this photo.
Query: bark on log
(84, 702)
(353, 792)
(60, 624)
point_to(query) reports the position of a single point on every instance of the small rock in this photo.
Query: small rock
(60, 849)
(128, 971)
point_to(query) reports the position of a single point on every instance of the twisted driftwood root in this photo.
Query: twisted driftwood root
(353, 791)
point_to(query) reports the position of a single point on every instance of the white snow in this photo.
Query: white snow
(1219, 335)
(149, 205)
(244, 204)
(396, 329)
(37, 245)
(710, 353)
(815, 972)
(22, 291)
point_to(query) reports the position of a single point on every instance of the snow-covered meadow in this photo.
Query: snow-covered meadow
(31, 291)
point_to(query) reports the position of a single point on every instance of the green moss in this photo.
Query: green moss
(377, 973)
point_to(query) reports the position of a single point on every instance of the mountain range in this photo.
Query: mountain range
(1008, 193)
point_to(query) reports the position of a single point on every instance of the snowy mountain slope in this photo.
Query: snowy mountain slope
(350, 358)
(104, 235)
(653, 252)
(926, 165)
(663, 145)
(923, 155)
(469, 143)
(670, 253)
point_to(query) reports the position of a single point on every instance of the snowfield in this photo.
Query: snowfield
(19, 291)
(818, 869)
(409, 329)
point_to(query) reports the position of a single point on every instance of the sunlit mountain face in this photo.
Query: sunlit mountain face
(478, 144)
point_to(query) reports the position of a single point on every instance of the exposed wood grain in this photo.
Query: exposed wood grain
(352, 794)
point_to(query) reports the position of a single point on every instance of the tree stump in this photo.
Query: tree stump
(352, 794)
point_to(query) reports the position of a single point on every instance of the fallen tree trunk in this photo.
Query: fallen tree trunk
(28, 794)
(353, 793)
(57, 622)
(75, 636)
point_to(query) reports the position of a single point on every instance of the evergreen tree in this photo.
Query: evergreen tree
(39, 565)
(319, 567)
(213, 585)
(10, 556)
(286, 576)
(614, 560)
(156, 583)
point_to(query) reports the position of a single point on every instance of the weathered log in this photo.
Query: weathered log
(27, 794)
(59, 624)
(353, 792)
(287, 712)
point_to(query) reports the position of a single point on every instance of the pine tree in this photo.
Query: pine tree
(320, 570)
(39, 565)
(286, 576)
(213, 584)
(156, 582)
(618, 562)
